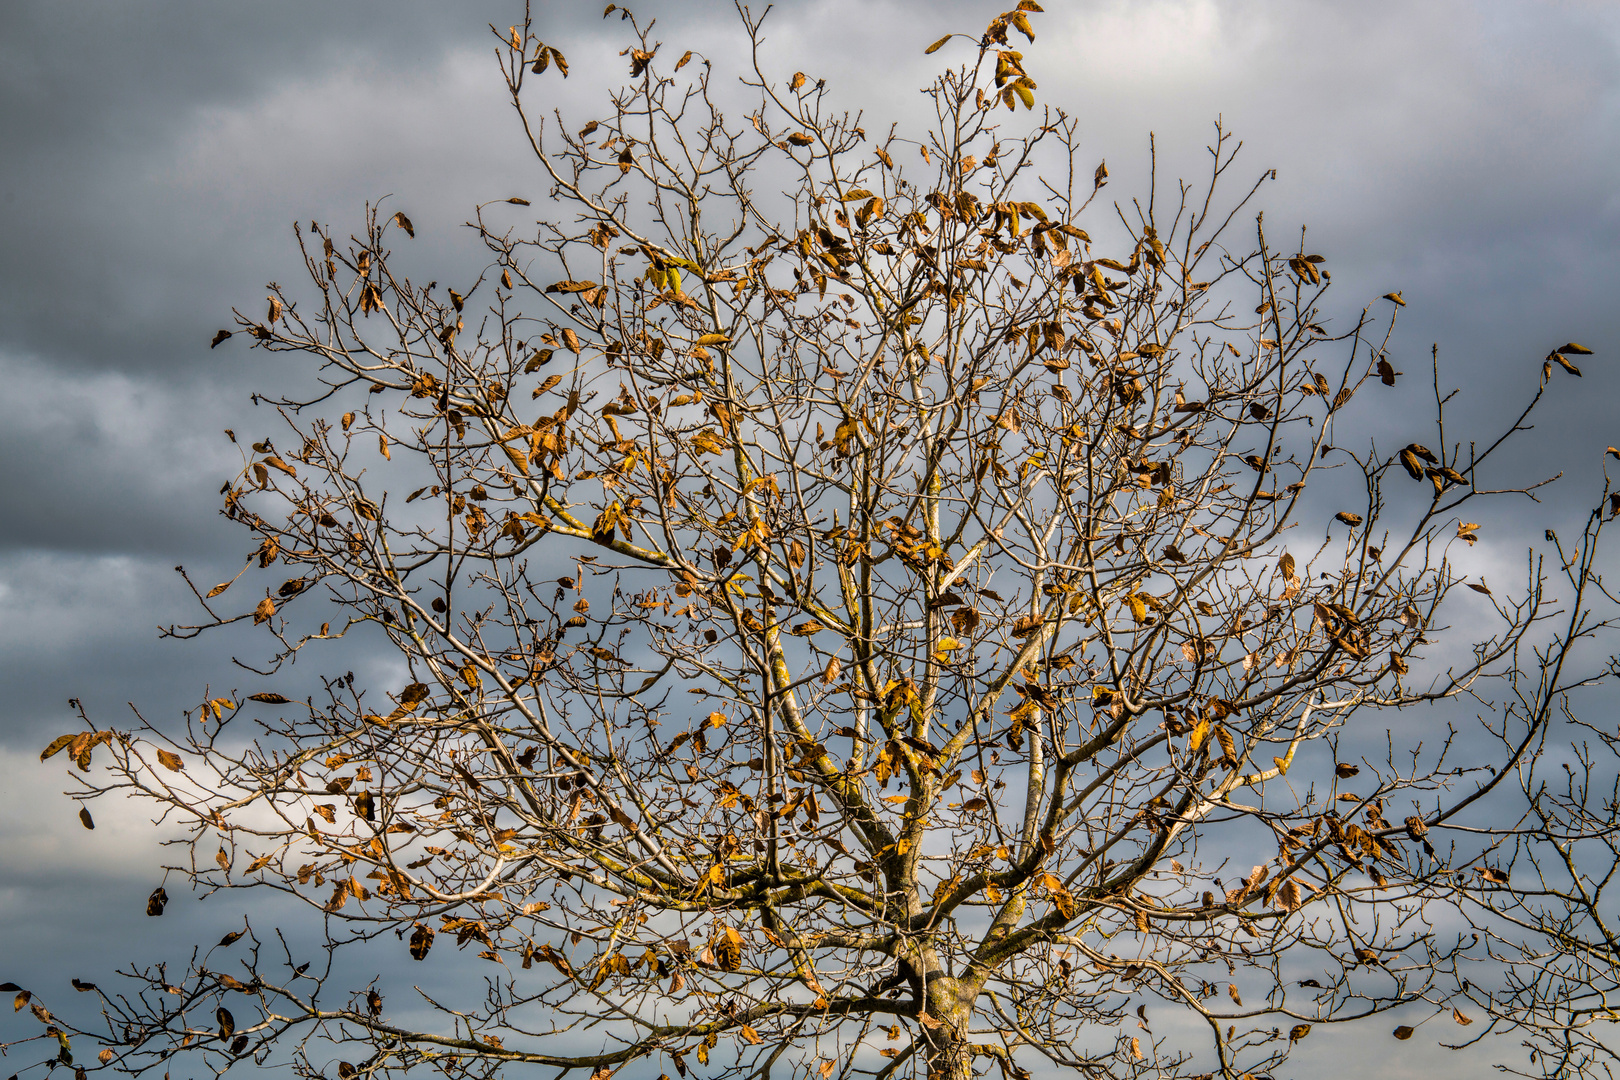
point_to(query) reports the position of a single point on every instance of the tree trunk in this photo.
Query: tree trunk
(949, 1057)
(945, 1040)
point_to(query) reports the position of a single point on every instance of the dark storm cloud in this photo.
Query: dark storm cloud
(155, 159)
(156, 154)
(101, 261)
(103, 461)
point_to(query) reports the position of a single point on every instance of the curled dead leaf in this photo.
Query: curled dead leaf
(1410, 462)
(1558, 358)
(57, 745)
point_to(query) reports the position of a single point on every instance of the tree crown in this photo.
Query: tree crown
(873, 607)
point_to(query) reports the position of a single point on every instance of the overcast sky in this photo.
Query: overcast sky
(153, 157)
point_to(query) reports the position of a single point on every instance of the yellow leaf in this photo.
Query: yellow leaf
(936, 46)
(1200, 733)
(946, 644)
(1138, 608)
(57, 745)
(714, 339)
